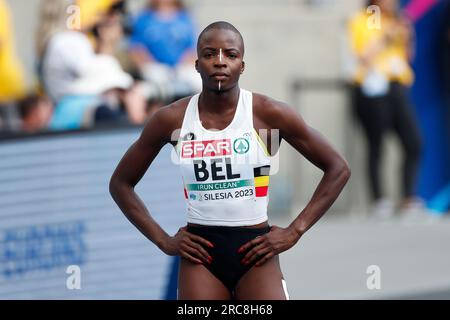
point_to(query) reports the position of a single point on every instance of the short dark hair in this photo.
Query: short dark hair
(221, 25)
(26, 105)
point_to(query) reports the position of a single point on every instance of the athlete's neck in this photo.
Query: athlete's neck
(219, 101)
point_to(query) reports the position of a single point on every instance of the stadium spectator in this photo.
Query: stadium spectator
(35, 113)
(103, 93)
(381, 103)
(63, 44)
(163, 49)
(109, 33)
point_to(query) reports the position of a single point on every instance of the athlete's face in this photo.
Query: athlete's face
(220, 53)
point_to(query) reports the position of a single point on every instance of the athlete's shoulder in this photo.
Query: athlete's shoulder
(261, 99)
(268, 108)
(277, 115)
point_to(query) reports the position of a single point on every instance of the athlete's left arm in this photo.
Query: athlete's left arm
(310, 143)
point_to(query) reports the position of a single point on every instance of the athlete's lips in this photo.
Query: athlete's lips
(219, 76)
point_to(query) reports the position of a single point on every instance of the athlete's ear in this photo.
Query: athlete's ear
(242, 67)
(196, 65)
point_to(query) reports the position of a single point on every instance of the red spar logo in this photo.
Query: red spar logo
(209, 148)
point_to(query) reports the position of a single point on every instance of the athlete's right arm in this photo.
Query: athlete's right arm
(130, 170)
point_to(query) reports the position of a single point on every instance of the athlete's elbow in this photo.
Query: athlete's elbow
(343, 170)
(339, 170)
(115, 186)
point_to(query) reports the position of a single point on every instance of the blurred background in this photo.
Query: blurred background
(78, 79)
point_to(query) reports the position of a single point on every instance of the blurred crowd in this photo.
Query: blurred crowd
(97, 64)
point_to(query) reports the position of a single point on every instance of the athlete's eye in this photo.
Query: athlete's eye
(208, 55)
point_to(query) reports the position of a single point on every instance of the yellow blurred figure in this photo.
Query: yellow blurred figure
(12, 84)
(385, 49)
(382, 40)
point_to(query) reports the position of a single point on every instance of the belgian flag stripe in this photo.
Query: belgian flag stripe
(261, 191)
(262, 181)
(185, 193)
(261, 171)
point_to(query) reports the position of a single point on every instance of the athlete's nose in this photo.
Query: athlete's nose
(220, 64)
(219, 61)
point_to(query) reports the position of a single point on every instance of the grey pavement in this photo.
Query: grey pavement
(331, 260)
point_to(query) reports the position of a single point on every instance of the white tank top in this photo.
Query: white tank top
(225, 173)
